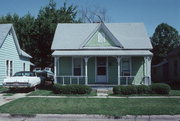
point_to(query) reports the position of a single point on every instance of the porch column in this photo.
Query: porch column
(55, 69)
(147, 69)
(119, 69)
(86, 74)
(58, 68)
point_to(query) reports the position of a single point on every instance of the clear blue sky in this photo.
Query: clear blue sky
(150, 12)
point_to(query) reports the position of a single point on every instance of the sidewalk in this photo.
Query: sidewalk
(6, 99)
(105, 96)
(84, 117)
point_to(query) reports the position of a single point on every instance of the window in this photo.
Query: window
(101, 37)
(77, 66)
(126, 67)
(101, 65)
(7, 67)
(11, 68)
(175, 68)
(24, 66)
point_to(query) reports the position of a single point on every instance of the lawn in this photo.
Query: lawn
(3, 89)
(108, 106)
(50, 93)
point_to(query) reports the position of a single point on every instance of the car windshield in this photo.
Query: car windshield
(24, 74)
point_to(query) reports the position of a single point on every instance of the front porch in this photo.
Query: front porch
(102, 70)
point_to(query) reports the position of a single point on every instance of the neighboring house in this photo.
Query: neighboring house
(12, 58)
(168, 70)
(102, 54)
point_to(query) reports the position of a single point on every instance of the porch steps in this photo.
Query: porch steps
(102, 92)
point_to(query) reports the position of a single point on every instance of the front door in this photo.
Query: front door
(101, 70)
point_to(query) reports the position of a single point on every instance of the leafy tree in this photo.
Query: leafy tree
(164, 39)
(36, 34)
(45, 24)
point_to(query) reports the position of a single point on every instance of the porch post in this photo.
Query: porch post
(86, 75)
(119, 69)
(58, 68)
(147, 70)
(55, 69)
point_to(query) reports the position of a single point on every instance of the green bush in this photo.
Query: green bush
(71, 89)
(157, 88)
(125, 90)
(142, 89)
(57, 88)
(160, 88)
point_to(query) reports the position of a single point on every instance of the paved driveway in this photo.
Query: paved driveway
(68, 117)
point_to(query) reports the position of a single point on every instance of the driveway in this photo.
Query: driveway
(69, 117)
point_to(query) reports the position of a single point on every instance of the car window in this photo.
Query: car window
(24, 74)
(18, 74)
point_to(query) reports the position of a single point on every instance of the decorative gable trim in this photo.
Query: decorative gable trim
(109, 34)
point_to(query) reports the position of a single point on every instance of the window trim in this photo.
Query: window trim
(24, 66)
(81, 67)
(130, 65)
(8, 70)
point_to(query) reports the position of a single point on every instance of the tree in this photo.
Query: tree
(45, 25)
(90, 15)
(23, 27)
(36, 34)
(164, 40)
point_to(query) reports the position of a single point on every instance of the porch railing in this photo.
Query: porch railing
(71, 79)
(124, 80)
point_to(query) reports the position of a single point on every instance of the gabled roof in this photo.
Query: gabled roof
(4, 30)
(74, 36)
(103, 27)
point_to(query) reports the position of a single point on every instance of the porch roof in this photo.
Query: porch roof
(102, 53)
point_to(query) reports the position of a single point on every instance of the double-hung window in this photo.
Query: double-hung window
(77, 66)
(24, 67)
(126, 66)
(9, 68)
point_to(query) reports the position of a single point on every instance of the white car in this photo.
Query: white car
(23, 79)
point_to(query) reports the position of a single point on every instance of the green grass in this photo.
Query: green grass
(3, 89)
(172, 93)
(8, 94)
(50, 93)
(108, 106)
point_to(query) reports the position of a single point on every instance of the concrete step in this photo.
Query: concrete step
(102, 91)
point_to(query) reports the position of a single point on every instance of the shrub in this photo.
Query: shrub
(142, 89)
(160, 88)
(71, 89)
(125, 90)
(57, 88)
(117, 90)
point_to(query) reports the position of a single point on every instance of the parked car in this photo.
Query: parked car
(37, 69)
(49, 71)
(23, 79)
(47, 78)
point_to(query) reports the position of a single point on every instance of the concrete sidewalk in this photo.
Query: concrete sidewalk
(84, 117)
(102, 96)
(6, 99)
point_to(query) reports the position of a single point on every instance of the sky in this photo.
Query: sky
(150, 12)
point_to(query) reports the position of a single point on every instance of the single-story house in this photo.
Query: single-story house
(12, 57)
(169, 69)
(102, 54)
